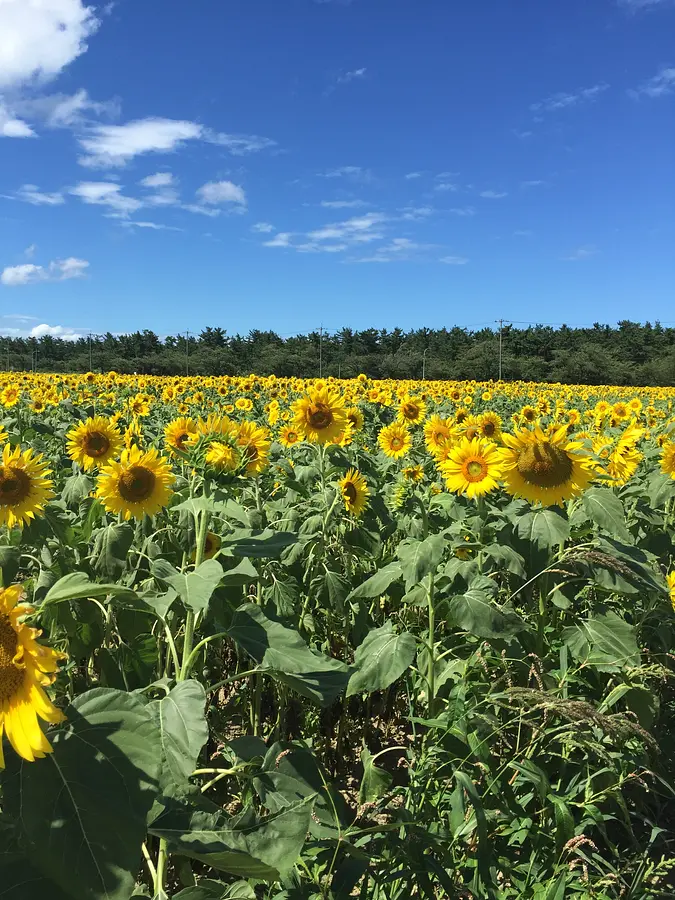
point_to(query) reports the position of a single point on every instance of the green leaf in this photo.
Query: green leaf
(545, 528)
(564, 823)
(76, 488)
(420, 558)
(194, 588)
(10, 560)
(111, 548)
(182, 725)
(83, 808)
(246, 846)
(282, 653)
(606, 642)
(76, 586)
(378, 583)
(476, 613)
(606, 510)
(375, 781)
(207, 889)
(228, 508)
(382, 658)
(338, 588)
(262, 544)
(20, 880)
(243, 573)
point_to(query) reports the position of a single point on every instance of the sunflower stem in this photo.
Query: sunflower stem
(431, 671)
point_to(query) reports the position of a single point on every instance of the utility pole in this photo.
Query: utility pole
(424, 363)
(187, 352)
(320, 351)
(91, 367)
(500, 322)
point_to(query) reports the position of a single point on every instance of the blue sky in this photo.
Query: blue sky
(284, 164)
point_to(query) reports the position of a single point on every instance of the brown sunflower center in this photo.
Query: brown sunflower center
(14, 485)
(475, 469)
(489, 429)
(410, 411)
(137, 484)
(96, 444)
(396, 443)
(353, 418)
(350, 492)
(460, 417)
(181, 439)
(319, 416)
(529, 415)
(11, 677)
(544, 465)
(473, 431)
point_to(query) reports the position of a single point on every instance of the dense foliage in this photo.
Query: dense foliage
(287, 640)
(628, 354)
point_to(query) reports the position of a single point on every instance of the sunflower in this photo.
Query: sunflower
(139, 405)
(244, 403)
(288, 436)
(10, 396)
(222, 457)
(26, 668)
(24, 486)
(529, 414)
(355, 416)
(139, 484)
(93, 442)
(355, 492)
(620, 411)
(255, 444)
(472, 468)
(545, 468)
(395, 440)
(413, 473)
(320, 415)
(178, 433)
(490, 425)
(211, 544)
(668, 459)
(411, 411)
(437, 431)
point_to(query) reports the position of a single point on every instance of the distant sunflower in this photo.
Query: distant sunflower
(211, 544)
(24, 486)
(395, 440)
(10, 396)
(355, 416)
(139, 405)
(529, 414)
(411, 411)
(355, 492)
(490, 425)
(179, 433)
(320, 415)
(26, 668)
(254, 444)
(413, 473)
(222, 457)
(472, 468)
(139, 484)
(472, 427)
(244, 403)
(289, 435)
(93, 442)
(545, 468)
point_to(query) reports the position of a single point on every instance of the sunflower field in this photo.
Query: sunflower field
(298, 640)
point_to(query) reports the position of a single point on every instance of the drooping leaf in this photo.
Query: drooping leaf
(111, 548)
(545, 528)
(10, 559)
(605, 642)
(208, 889)
(181, 722)
(420, 558)
(375, 781)
(77, 586)
(381, 659)
(267, 543)
(83, 810)
(378, 583)
(282, 653)
(476, 613)
(76, 488)
(606, 509)
(194, 588)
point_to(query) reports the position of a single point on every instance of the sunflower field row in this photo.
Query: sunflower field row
(312, 640)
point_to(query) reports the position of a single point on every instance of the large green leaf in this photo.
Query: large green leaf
(378, 583)
(111, 548)
(606, 642)
(606, 509)
(182, 725)
(76, 488)
(245, 846)
(476, 613)
(20, 880)
(420, 558)
(83, 809)
(10, 560)
(207, 889)
(194, 588)
(383, 657)
(282, 653)
(545, 528)
(245, 542)
(375, 781)
(77, 586)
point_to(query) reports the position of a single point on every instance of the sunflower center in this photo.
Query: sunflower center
(350, 492)
(544, 465)
(319, 416)
(11, 677)
(137, 484)
(529, 415)
(489, 429)
(14, 485)
(181, 439)
(410, 411)
(475, 470)
(396, 443)
(472, 432)
(96, 444)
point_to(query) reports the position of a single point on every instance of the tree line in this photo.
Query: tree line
(628, 354)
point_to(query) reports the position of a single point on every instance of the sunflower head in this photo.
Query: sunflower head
(472, 467)
(289, 435)
(355, 492)
(355, 417)
(320, 415)
(179, 433)
(254, 445)
(412, 410)
(395, 440)
(94, 442)
(139, 484)
(24, 486)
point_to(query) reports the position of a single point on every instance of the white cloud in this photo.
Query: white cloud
(581, 253)
(343, 204)
(159, 179)
(637, 5)
(106, 193)
(29, 193)
(523, 135)
(12, 127)
(335, 237)
(110, 146)
(238, 144)
(397, 250)
(29, 252)
(354, 173)
(283, 239)
(222, 193)
(415, 213)
(57, 331)
(39, 38)
(412, 175)
(346, 77)
(63, 110)
(661, 84)
(262, 228)
(446, 186)
(165, 193)
(454, 260)
(493, 195)
(564, 100)
(154, 226)
(463, 211)
(533, 183)
(523, 232)
(29, 273)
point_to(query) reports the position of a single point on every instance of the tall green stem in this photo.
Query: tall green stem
(431, 671)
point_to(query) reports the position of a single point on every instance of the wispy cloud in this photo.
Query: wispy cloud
(58, 270)
(262, 228)
(463, 211)
(412, 175)
(343, 204)
(29, 193)
(222, 194)
(523, 232)
(398, 250)
(163, 187)
(454, 260)
(661, 84)
(416, 213)
(493, 195)
(152, 226)
(352, 173)
(639, 5)
(584, 252)
(106, 193)
(335, 237)
(11, 127)
(563, 100)
(535, 182)
(354, 75)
